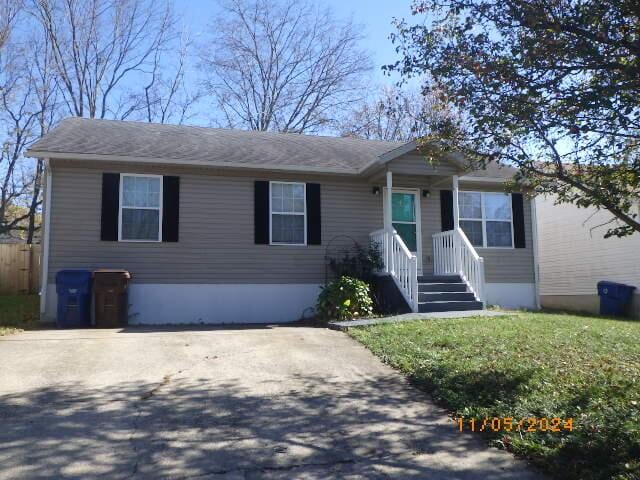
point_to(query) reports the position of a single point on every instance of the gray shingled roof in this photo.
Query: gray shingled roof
(148, 141)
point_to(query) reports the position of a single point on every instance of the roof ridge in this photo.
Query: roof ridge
(236, 130)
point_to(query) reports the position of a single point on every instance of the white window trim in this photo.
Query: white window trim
(304, 213)
(120, 207)
(484, 220)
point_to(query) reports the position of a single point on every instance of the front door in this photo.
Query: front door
(405, 218)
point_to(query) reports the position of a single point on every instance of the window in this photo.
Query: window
(140, 208)
(288, 213)
(486, 219)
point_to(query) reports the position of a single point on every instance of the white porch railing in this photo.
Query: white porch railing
(400, 263)
(453, 254)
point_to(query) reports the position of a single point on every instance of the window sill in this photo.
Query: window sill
(139, 241)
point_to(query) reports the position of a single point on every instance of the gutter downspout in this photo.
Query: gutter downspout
(536, 265)
(46, 207)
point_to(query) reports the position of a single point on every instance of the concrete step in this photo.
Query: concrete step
(439, 279)
(446, 296)
(446, 306)
(442, 287)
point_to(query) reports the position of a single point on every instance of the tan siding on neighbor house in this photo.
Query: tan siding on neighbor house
(574, 255)
(216, 228)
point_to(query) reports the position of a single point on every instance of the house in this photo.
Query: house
(225, 226)
(575, 256)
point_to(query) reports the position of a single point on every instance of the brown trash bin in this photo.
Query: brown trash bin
(110, 287)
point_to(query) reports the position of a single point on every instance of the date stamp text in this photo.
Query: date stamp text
(509, 424)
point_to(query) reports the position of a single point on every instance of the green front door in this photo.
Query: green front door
(404, 218)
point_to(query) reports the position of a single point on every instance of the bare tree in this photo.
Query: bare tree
(46, 102)
(282, 65)
(396, 114)
(99, 45)
(17, 118)
(29, 109)
(88, 58)
(9, 10)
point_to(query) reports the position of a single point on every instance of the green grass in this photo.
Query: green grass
(531, 365)
(18, 312)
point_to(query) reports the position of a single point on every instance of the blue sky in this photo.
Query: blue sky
(374, 16)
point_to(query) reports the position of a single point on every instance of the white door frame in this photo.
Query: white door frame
(387, 216)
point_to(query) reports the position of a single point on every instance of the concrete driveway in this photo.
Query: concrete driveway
(284, 402)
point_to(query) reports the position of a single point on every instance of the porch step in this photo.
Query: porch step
(439, 279)
(448, 306)
(441, 287)
(446, 296)
(445, 293)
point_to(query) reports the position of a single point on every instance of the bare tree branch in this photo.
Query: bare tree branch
(396, 114)
(98, 44)
(9, 10)
(167, 98)
(282, 65)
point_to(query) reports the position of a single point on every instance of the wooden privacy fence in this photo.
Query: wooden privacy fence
(19, 269)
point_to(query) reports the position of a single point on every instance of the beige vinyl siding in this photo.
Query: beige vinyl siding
(574, 255)
(217, 228)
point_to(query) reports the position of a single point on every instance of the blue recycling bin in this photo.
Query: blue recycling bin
(614, 298)
(74, 298)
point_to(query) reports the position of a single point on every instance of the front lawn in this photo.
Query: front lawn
(525, 366)
(18, 312)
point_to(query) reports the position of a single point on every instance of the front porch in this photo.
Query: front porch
(456, 274)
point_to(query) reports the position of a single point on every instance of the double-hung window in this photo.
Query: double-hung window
(288, 213)
(140, 208)
(486, 218)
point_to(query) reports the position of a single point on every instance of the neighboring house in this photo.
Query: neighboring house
(226, 226)
(574, 256)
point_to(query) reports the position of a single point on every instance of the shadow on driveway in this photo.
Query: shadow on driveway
(205, 420)
(183, 429)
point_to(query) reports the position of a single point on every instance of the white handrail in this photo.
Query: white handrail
(400, 263)
(453, 254)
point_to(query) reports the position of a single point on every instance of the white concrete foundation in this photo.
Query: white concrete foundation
(512, 295)
(156, 304)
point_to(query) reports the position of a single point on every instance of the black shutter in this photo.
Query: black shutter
(314, 223)
(110, 205)
(261, 212)
(446, 209)
(170, 208)
(517, 206)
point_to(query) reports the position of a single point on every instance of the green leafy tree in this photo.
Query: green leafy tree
(549, 86)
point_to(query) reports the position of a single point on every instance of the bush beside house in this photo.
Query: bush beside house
(349, 296)
(345, 299)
